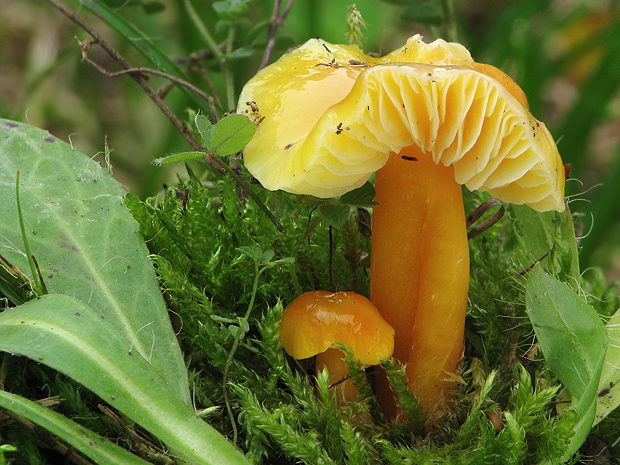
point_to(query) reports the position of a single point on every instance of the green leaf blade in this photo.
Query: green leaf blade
(85, 241)
(231, 134)
(205, 129)
(63, 333)
(574, 341)
(335, 215)
(90, 444)
(608, 397)
(178, 157)
(362, 196)
(550, 238)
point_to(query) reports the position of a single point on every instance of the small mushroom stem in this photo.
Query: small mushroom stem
(334, 360)
(420, 274)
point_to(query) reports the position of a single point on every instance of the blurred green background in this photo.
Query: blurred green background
(565, 54)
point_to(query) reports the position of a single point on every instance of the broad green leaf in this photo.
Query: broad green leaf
(96, 448)
(608, 397)
(65, 334)
(85, 241)
(549, 236)
(206, 129)
(573, 340)
(267, 256)
(232, 134)
(178, 157)
(254, 252)
(261, 256)
(362, 196)
(335, 215)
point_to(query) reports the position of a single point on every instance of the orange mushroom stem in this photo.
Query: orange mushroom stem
(427, 119)
(420, 273)
(317, 320)
(333, 359)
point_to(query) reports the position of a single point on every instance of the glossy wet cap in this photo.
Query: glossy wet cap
(329, 116)
(316, 320)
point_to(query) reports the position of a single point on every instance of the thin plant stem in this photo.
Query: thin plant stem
(202, 30)
(311, 227)
(293, 271)
(450, 24)
(217, 53)
(202, 70)
(34, 283)
(139, 78)
(275, 22)
(153, 72)
(231, 354)
(4, 369)
(229, 81)
(183, 129)
(474, 216)
(40, 275)
(246, 186)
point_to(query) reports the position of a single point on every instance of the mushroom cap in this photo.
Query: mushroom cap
(329, 116)
(316, 320)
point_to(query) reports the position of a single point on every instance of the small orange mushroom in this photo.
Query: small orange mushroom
(317, 320)
(427, 119)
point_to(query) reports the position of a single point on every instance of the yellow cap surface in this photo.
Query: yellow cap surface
(329, 116)
(316, 320)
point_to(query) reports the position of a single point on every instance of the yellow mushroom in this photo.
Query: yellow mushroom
(427, 119)
(317, 320)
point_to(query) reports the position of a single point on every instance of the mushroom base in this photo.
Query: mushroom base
(420, 275)
(334, 360)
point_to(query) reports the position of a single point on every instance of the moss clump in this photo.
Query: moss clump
(207, 242)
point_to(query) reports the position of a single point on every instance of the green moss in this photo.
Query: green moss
(203, 236)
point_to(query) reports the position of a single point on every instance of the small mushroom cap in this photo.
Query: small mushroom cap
(316, 320)
(329, 116)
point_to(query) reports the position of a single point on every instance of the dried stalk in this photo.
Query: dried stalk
(140, 78)
(275, 22)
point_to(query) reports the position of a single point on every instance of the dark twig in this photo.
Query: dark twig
(477, 214)
(45, 438)
(15, 270)
(522, 272)
(136, 440)
(275, 22)
(85, 46)
(210, 157)
(41, 282)
(202, 70)
(139, 78)
(339, 382)
(196, 59)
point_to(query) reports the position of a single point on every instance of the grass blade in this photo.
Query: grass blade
(63, 333)
(90, 444)
(574, 341)
(144, 45)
